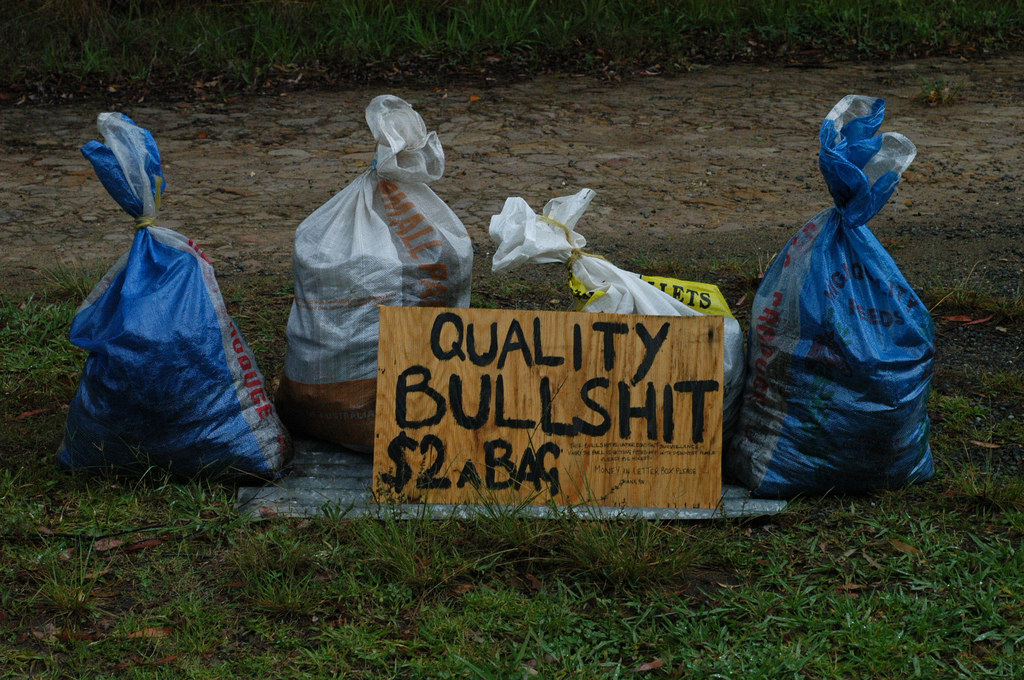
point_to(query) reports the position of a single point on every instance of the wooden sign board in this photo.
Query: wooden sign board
(540, 407)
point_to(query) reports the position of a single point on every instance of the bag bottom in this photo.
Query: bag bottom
(341, 412)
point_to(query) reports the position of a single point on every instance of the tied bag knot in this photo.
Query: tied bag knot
(861, 168)
(574, 252)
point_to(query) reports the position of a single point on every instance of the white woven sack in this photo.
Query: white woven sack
(523, 237)
(386, 239)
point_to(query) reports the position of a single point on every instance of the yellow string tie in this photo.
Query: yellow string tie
(576, 252)
(145, 221)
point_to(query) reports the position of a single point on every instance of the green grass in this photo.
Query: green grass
(939, 92)
(228, 46)
(39, 373)
(975, 301)
(150, 577)
(974, 297)
(895, 585)
(541, 288)
(983, 414)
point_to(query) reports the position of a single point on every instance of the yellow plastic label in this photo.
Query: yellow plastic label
(702, 297)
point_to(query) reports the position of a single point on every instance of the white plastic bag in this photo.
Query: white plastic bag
(523, 237)
(386, 239)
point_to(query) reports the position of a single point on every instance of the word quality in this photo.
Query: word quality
(505, 400)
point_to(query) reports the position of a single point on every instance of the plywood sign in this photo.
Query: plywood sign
(570, 408)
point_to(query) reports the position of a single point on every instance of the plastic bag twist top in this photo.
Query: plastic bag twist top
(405, 151)
(128, 165)
(861, 167)
(524, 236)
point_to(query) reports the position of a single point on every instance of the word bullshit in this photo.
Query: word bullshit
(458, 404)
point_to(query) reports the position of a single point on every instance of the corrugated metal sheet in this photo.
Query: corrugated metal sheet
(326, 478)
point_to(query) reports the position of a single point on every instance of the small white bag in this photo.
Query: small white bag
(386, 239)
(522, 236)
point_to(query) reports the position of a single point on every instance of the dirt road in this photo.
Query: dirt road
(723, 159)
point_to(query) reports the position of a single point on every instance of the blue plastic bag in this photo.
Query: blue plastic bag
(841, 347)
(169, 382)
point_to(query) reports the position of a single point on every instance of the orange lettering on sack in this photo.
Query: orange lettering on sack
(414, 251)
(409, 238)
(396, 209)
(394, 200)
(432, 288)
(437, 271)
(390, 192)
(406, 225)
(415, 234)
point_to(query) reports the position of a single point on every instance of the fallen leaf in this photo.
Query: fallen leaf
(533, 581)
(202, 134)
(956, 317)
(905, 547)
(93, 575)
(267, 512)
(105, 544)
(462, 588)
(971, 323)
(46, 631)
(473, 98)
(45, 530)
(850, 586)
(151, 633)
(142, 545)
(650, 665)
(984, 445)
(872, 561)
(29, 414)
